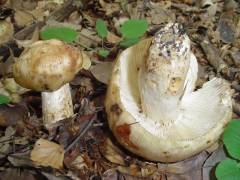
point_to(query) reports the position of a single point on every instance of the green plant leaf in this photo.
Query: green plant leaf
(101, 28)
(62, 33)
(4, 99)
(231, 138)
(129, 42)
(103, 52)
(228, 169)
(134, 28)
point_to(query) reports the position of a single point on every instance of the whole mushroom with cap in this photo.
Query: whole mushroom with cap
(152, 106)
(48, 66)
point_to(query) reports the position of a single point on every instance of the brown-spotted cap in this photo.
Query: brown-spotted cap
(47, 65)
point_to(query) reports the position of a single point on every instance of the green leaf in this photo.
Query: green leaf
(129, 42)
(62, 33)
(231, 139)
(4, 99)
(134, 28)
(103, 52)
(101, 28)
(228, 170)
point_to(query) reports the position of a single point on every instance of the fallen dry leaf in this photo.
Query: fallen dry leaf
(23, 18)
(6, 142)
(212, 161)
(110, 8)
(20, 159)
(28, 42)
(47, 153)
(102, 71)
(7, 30)
(112, 153)
(86, 61)
(17, 173)
(112, 38)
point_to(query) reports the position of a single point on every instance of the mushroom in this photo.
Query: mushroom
(48, 66)
(6, 30)
(151, 104)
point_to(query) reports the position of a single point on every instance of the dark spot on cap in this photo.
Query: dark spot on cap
(209, 141)
(116, 109)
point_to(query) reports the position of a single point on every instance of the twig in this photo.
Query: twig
(213, 56)
(186, 8)
(82, 132)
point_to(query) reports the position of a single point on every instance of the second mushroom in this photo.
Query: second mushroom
(48, 66)
(152, 106)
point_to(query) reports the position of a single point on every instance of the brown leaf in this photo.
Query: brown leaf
(112, 38)
(28, 42)
(6, 142)
(102, 71)
(19, 174)
(110, 8)
(47, 153)
(23, 18)
(7, 30)
(20, 159)
(12, 115)
(112, 153)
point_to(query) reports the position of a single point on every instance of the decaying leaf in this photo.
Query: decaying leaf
(47, 153)
(20, 159)
(112, 153)
(110, 8)
(6, 141)
(112, 38)
(23, 18)
(6, 30)
(28, 42)
(15, 173)
(88, 38)
(102, 71)
(226, 28)
(86, 61)
(12, 115)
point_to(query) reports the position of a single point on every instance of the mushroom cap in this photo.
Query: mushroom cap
(47, 65)
(187, 122)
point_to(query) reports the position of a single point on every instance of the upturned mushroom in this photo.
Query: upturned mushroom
(48, 66)
(152, 106)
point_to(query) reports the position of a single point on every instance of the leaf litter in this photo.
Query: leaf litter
(83, 147)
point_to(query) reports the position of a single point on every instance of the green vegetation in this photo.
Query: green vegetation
(131, 31)
(4, 99)
(229, 169)
(62, 33)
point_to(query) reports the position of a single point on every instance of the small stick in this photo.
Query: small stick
(213, 56)
(82, 132)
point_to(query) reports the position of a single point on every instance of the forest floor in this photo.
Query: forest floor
(84, 147)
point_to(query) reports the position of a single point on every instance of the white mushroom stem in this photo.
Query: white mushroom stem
(57, 105)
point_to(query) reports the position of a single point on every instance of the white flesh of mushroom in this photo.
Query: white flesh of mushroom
(57, 105)
(154, 91)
